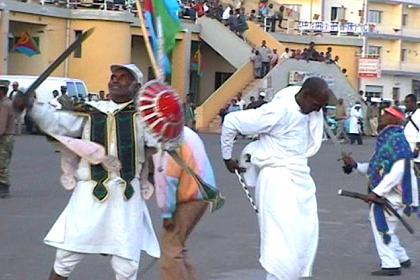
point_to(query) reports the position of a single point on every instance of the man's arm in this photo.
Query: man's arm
(4, 116)
(391, 180)
(247, 122)
(56, 122)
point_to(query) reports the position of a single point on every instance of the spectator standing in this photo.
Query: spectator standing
(265, 58)
(311, 53)
(240, 101)
(261, 101)
(234, 106)
(102, 95)
(341, 117)
(54, 102)
(286, 54)
(232, 21)
(280, 17)
(355, 125)
(328, 56)
(274, 58)
(15, 90)
(251, 101)
(189, 113)
(241, 25)
(18, 115)
(372, 114)
(65, 100)
(226, 13)
(7, 131)
(271, 18)
(256, 59)
(253, 15)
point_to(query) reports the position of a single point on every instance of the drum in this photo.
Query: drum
(161, 109)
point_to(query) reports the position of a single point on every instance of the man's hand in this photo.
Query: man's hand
(233, 165)
(349, 161)
(168, 224)
(372, 197)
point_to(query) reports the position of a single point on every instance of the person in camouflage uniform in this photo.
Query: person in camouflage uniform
(7, 131)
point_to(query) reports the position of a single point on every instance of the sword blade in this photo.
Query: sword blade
(387, 206)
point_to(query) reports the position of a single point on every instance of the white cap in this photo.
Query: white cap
(262, 93)
(132, 68)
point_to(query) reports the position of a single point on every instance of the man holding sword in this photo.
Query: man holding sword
(391, 179)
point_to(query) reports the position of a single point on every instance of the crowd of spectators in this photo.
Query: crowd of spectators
(238, 104)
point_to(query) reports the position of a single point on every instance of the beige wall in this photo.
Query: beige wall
(391, 16)
(390, 52)
(51, 33)
(212, 62)
(99, 51)
(412, 27)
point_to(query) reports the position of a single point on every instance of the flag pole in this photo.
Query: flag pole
(155, 67)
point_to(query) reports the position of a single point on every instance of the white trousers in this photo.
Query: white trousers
(391, 254)
(66, 261)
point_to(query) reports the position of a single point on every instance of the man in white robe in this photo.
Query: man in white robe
(114, 219)
(290, 131)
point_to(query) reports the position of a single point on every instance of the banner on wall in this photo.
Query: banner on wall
(369, 68)
(298, 77)
(26, 45)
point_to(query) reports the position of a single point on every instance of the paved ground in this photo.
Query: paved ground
(224, 245)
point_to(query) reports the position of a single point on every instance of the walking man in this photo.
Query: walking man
(7, 131)
(182, 204)
(341, 117)
(290, 131)
(390, 177)
(106, 213)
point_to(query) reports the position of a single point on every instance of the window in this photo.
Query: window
(404, 20)
(78, 50)
(334, 13)
(373, 91)
(374, 16)
(403, 55)
(374, 51)
(220, 78)
(396, 93)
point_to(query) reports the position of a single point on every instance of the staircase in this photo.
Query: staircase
(237, 52)
(214, 125)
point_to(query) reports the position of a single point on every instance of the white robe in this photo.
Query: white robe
(286, 199)
(355, 116)
(114, 226)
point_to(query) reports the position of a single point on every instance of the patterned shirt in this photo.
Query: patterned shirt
(173, 184)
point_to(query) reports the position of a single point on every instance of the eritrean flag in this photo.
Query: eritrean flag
(26, 45)
(165, 14)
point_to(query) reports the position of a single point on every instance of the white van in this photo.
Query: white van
(75, 88)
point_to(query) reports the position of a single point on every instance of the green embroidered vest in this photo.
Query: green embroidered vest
(125, 128)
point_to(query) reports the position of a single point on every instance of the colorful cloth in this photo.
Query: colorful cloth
(173, 183)
(391, 146)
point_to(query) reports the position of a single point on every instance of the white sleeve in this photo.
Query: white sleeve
(391, 180)
(57, 122)
(247, 122)
(362, 167)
